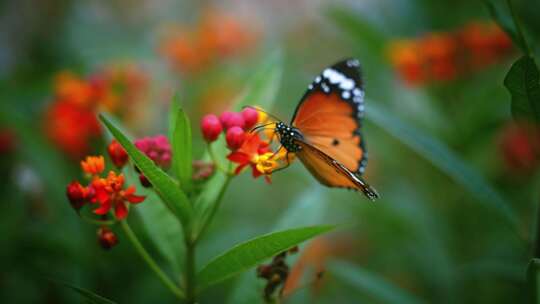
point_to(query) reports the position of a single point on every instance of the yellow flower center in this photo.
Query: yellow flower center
(265, 163)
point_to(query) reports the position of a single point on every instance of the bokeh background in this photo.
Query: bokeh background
(458, 177)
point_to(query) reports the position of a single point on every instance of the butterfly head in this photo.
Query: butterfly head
(288, 137)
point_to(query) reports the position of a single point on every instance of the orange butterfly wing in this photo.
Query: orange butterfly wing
(330, 172)
(329, 119)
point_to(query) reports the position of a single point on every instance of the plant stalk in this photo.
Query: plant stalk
(190, 272)
(151, 263)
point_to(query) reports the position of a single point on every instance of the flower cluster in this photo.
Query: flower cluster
(105, 192)
(519, 144)
(247, 148)
(447, 55)
(70, 120)
(217, 35)
(158, 149)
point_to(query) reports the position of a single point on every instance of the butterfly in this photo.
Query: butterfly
(325, 130)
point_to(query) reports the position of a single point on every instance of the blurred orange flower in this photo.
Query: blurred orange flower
(447, 55)
(217, 35)
(70, 120)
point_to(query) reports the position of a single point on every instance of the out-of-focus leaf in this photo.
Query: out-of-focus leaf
(371, 284)
(88, 295)
(261, 91)
(250, 253)
(501, 13)
(442, 157)
(353, 25)
(181, 147)
(164, 185)
(523, 82)
(533, 280)
(36, 149)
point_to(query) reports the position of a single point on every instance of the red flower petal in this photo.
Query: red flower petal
(256, 173)
(135, 199)
(238, 157)
(120, 211)
(103, 208)
(239, 169)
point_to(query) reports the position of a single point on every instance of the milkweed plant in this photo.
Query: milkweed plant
(162, 171)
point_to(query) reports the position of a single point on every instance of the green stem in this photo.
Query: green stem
(215, 160)
(97, 222)
(190, 272)
(151, 263)
(215, 207)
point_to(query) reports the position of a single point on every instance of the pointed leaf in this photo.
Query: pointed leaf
(441, 157)
(164, 185)
(88, 295)
(253, 252)
(523, 82)
(371, 284)
(181, 147)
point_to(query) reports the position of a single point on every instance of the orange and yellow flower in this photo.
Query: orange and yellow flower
(109, 192)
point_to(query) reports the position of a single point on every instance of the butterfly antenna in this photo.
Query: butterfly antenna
(261, 110)
(260, 127)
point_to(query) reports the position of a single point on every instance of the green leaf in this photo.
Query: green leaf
(88, 295)
(441, 157)
(371, 284)
(309, 208)
(253, 252)
(163, 184)
(356, 27)
(523, 82)
(162, 227)
(502, 14)
(262, 91)
(533, 280)
(181, 147)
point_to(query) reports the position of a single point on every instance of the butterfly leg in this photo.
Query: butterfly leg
(283, 167)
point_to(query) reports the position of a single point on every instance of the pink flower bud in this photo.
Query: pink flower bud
(211, 127)
(235, 137)
(251, 116)
(232, 119)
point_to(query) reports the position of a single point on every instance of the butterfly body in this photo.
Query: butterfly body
(325, 131)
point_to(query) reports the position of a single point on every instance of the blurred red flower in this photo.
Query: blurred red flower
(70, 120)
(520, 147)
(71, 127)
(106, 237)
